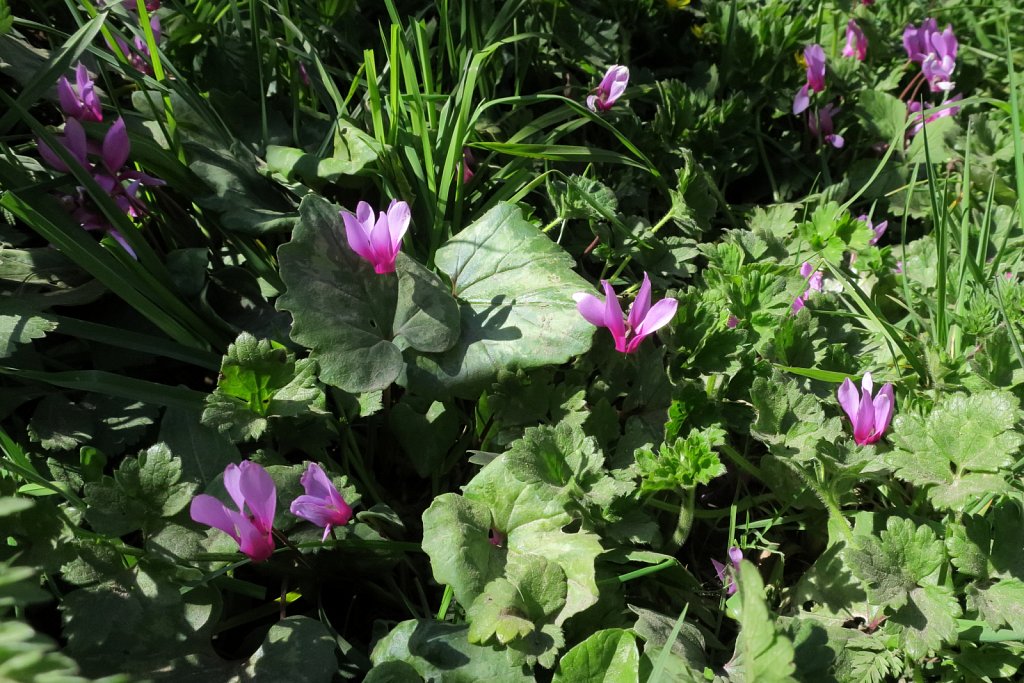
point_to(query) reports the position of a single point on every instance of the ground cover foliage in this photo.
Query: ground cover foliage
(256, 430)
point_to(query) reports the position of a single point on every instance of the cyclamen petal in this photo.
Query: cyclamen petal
(642, 321)
(322, 504)
(377, 239)
(869, 415)
(856, 42)
(611, 88)
(251, 525)
(116, 146)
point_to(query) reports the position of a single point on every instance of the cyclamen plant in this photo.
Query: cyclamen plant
(814, 56)
(935, 51)
(610, 89)
(252, 524)
(870, 416)
(377, 240)
(814, 280)
(642, 321)
(727, 573)
(322, 504)
(856, 42)
(79, 101)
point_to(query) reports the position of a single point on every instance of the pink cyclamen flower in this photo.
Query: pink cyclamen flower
(496, 538)
(856, 42)
(814, 56)
(819, 123)
(643, 318)
(611, 88)
(379, 239)
(468, 162)
(915, 112)
(879, 229)
(935, 51)
(814, 280)
(726, 574)
(139, 57)
(251, 525)
(79, 101)
(732, 322)
(322, 504)
(870, 416)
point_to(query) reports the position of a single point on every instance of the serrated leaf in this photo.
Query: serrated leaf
(999, 604)
(683, 464)
(204, 452)
(60, 425)
(928, 619)
(893, 564)
(20, 324)
(960, 449)
(514, 287)
(763, 651)
(968, 545)
(259, 381)
(352, 317)
(454, 522)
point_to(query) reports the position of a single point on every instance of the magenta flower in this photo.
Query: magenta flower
(732, 322)
(322, 504)
(377, 240)
(814, 283)
(611, 88)
(870, 417)
(79, 101)
(252, 524)
(726, 574)
(856, 42)
(468, 162)
(496, 538)
(879, 229)
(643, 319)
(139, 57)
(814, 56)
(915, 111)
(935, 51)
(820, 125)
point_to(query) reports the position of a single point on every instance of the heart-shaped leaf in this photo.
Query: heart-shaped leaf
(356, 321)
(514, 287)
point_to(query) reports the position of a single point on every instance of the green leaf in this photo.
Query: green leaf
(356, 321)
(929, 620)
(683, 464)
(6, 19)
(143, 488)
(608, 656)
(204, 452)
(259, 381)
(999, 604)
(294, 644)
(19, 325)
(884, 115)
(456, 534)
(29, 657)
(425, 438)
(440, 652)
(897, 562)
(515, 289)
(58, 424)
(763, 651)
(960, 450)
(518, 611)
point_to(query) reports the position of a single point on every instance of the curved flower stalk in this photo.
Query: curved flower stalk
(251, 525)
(814, 280)
(643, 318)
(935, 51)
(726, 573)
(821, 126)
(856, 42)
(377, 239)
(610, 89)
(814, 57)
(870, 416)
(79, 101)
(322, 504)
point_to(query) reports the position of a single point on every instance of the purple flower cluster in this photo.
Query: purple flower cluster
(814, 279)
(251, 525)
(935, 51)
(106, 162)
(819, 121)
